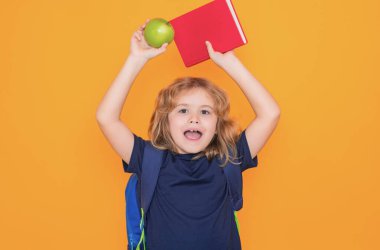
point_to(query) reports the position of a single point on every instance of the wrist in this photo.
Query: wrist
(137, 59)
(231, 63)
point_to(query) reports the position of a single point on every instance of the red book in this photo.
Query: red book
(216, 22)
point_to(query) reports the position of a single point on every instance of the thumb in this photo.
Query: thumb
(209, 47)
(163, 47)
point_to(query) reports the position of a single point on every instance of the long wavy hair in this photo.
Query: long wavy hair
(223, 143)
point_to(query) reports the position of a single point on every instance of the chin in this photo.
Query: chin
(194, 149)
(189, 151)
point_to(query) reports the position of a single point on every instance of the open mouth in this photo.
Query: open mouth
(193, 134)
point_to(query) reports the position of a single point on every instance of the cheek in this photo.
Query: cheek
(212, 122)
(174, 123)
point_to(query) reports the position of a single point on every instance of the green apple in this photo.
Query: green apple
(158, 31)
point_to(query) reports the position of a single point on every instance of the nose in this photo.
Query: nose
(194, 119)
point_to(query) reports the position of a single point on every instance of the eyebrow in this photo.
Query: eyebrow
(205, 105)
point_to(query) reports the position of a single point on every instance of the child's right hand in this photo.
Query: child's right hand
(140, 48)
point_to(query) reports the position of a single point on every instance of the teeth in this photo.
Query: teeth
(191, 130)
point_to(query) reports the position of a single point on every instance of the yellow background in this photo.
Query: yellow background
(316, 185)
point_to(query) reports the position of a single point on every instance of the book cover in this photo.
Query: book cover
(216, 22)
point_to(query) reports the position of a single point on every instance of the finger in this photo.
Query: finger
(163, 47)
(143, 26)
(209, 47)
(138, 37)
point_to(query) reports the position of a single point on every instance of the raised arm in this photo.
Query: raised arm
(110, 107)
(266, 109)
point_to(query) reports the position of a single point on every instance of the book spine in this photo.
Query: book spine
(233, 13)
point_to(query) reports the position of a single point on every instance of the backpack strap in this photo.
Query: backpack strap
(151, 165)
(235, 184)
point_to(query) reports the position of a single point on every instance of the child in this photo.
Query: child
(190, 208)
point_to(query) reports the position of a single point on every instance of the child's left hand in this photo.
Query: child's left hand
(221, 59)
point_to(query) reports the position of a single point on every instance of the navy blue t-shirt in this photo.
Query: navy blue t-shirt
(190, 208)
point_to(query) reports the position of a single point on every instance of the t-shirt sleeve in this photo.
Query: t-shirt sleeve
(244, 154)
(135, 162)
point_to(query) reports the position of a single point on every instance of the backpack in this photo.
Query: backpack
(139, 193)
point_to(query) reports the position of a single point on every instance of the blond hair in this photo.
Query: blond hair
(227, 131)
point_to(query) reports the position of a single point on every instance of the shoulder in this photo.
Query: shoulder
(134, 165)
(142, 148)
(244, 154)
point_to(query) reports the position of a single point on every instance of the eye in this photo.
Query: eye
(182, 111)
(205, 112)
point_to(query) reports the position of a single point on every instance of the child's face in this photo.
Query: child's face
(194, 110)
